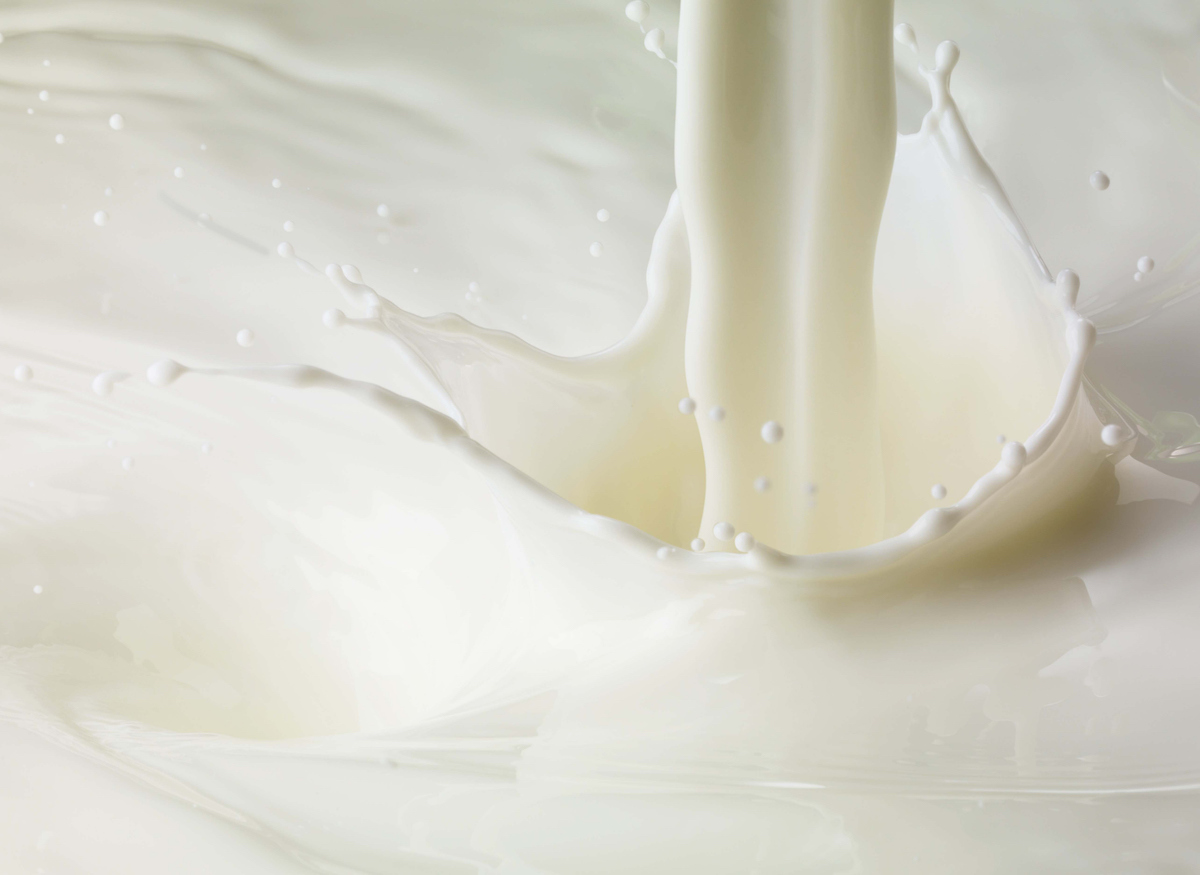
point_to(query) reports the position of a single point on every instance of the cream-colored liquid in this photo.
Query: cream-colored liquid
(304, 623)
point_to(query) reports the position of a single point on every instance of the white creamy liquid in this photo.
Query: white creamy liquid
(302, 623)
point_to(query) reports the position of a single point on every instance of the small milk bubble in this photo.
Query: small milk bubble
(744, 542)
(100, 218)
(698, 545)
(603, 216)
(24, 373)
(597, 249)
(1099, 180)
(687, 406)
(637, 11)
(938, 491)
(723, 531)
(772, 432)
(716, 414)
(245, 337)
(1145, 264)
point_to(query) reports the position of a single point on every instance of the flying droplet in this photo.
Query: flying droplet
(1100, 180)
(206, 448)
(597, 249)
(127, 463)
(286, 250)
(724, 531)
(1114, 435)
(655, 40)
(164, 373)
(744, 542)
(637, 11)
(43, 95)
(102, 384)
(938, 491)
(698, 545)
(905, 35)
(116, 121)
(100, 218)
(37, 589)
(772, 432)
(603, 216)
(762, 484)
(60, 139)
(24, 373)
(245, 337)
(716, 414)
(1138, 277)
(687, 406)
(289, 226)
(383, 211)
(1000, 439)
(179, 173)
(1145, 264)
(276, 183)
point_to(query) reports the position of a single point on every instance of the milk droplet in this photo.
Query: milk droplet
(473, 288)
(1067, 283)
(905, 35)
(597, 249)
(698, 545)
(1114, 435)
(203, 147)
(687, 406)
(127, 463)
(352, 273)
(333, 318)
(100, 218)
(716, 414)
(772, 432)
(723, 531)
(165, 372)
(46, 62)
(110, 443)
(108, 192)
(245, 337)
(1001, 439)
(206, 448)
(1100, 180)
(1138, 277)
(289, 226)
(43, 95)
(103, 383)
(762, 484)
(116, 121)
(655, 40)
(1145, 264)
(178, 173)
(60, 139)
(1013, 455)
(37, 590)
(938, 491)
(383, 211)
(664, 552)
(744, 542)
(276, 183)
(603, 216)
(286, 250)
(637, 11)
(24, 373)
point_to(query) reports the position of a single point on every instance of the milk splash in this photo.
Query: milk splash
(304, 622)
(760, 317)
